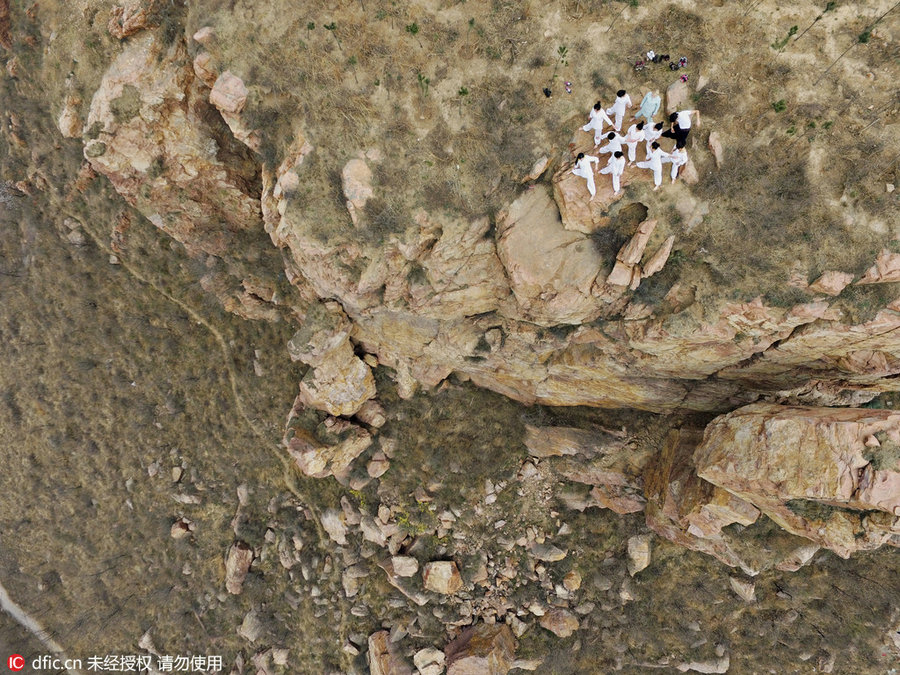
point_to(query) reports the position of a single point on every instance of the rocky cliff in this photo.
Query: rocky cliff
(417, 221)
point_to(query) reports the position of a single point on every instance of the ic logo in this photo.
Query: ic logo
(15, 662)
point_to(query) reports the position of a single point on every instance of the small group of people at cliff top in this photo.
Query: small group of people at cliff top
(648, 131)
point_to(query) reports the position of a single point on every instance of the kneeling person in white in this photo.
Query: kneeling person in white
(633, 136)
(654, 163)
(615, 166)
(614, 144)
(584, 169)
(679, 158)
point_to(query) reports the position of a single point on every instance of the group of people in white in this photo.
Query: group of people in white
(646, 131)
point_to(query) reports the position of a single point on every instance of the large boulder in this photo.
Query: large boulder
(151, 131)
(694, 513)
(551, 269)
(830, 475)
(339, 382)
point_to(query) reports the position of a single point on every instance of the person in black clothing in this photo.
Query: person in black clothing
(680, 135)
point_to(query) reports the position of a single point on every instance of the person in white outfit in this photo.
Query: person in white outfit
(633, 136)
(622, 102)
(654, 163)
(614, 143)
(598, 116)
(652, 134)
(584, 169)
(615, 166)
(679, 158)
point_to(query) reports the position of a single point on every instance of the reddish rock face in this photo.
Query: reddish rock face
(828, 474)
(481, 650)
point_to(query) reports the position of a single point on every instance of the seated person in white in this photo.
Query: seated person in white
(598, 117)
(618, 107)
(654, 163)
(584, 169)
(615, 166)
(633, 136)
(614, 144)
(679, 158)
(652, 134)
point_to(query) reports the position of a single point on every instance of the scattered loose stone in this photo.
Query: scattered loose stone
(560, 622)
(237, 564)
(404, 565)
(182, 528)
(372, 413)
(537, 169)
(745, 589)
(572, 580)
(333, 524)
(252, 628)
(638, 553)
(528, 664)
(376, 468)
(715, 147)
(546, 552)
(442, 576)
(429, 661)
(719, 665)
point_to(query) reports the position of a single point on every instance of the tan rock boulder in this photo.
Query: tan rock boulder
(442, 576)
(430, 661)
(237, 564)
(205, 36)
(559, 441)
(356, 179)
(886, 268)
(383, 659)
(810, 470)
(658, 260)
(339, 382)
(831, 283)
(463, 270)
(539, 167)
(622, 274)
(603, 459)
(561, 622)
(550, 269)
(229, 96)
(677, 96)
(346, 442)
(638, 553)
(205, 69)
(69, 121)
(152, 135)
(481, 650)
(340, 385)
(632, 252)
(715, 147)
(692, 512)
